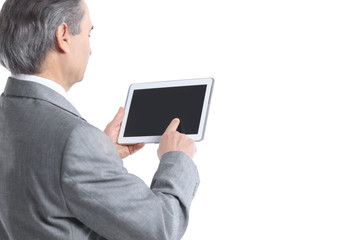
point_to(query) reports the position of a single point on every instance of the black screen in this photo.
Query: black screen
(152, 110)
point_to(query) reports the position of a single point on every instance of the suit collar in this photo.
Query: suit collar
(19, 88)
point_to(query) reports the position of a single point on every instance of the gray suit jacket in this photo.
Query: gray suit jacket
(62, 178)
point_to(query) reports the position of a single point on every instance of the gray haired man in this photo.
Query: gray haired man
(60, 177)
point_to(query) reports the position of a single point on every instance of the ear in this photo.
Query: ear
(63, 38)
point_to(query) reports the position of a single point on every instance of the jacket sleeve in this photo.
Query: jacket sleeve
(101, 194)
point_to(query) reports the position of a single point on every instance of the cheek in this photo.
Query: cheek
(87, 50)
(85, 54)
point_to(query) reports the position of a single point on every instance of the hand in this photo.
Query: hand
(113, 129)
(172, 140)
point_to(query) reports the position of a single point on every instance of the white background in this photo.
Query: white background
(280, 159)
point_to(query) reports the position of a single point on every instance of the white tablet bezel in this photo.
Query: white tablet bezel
(164, 84)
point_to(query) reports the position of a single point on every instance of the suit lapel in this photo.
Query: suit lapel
(27, 89)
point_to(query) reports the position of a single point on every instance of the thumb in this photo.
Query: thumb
(173, 125)
(119, 116)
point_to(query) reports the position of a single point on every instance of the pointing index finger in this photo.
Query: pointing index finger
(173, 125)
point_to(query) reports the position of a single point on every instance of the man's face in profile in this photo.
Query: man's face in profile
(81, 51)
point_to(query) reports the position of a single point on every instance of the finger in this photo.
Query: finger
(119, 116)
(133, 149)
(138, 146)
(173, 125)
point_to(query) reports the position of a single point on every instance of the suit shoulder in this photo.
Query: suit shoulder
(88, 132)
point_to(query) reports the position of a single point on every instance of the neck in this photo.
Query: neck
(54, 69)
(55, 78)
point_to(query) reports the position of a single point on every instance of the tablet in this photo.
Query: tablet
(150, 107)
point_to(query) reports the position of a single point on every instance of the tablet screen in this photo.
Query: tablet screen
(152, 110)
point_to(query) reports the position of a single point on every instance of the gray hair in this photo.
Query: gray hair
(28, 31)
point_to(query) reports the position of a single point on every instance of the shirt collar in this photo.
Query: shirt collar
(45, 82)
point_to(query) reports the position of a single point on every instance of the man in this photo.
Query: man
(60, 177)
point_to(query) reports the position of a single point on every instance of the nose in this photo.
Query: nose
(90, 52)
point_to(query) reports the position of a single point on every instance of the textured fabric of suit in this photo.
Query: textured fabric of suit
(61, 178)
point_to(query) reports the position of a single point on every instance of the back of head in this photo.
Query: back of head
(27, 31)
